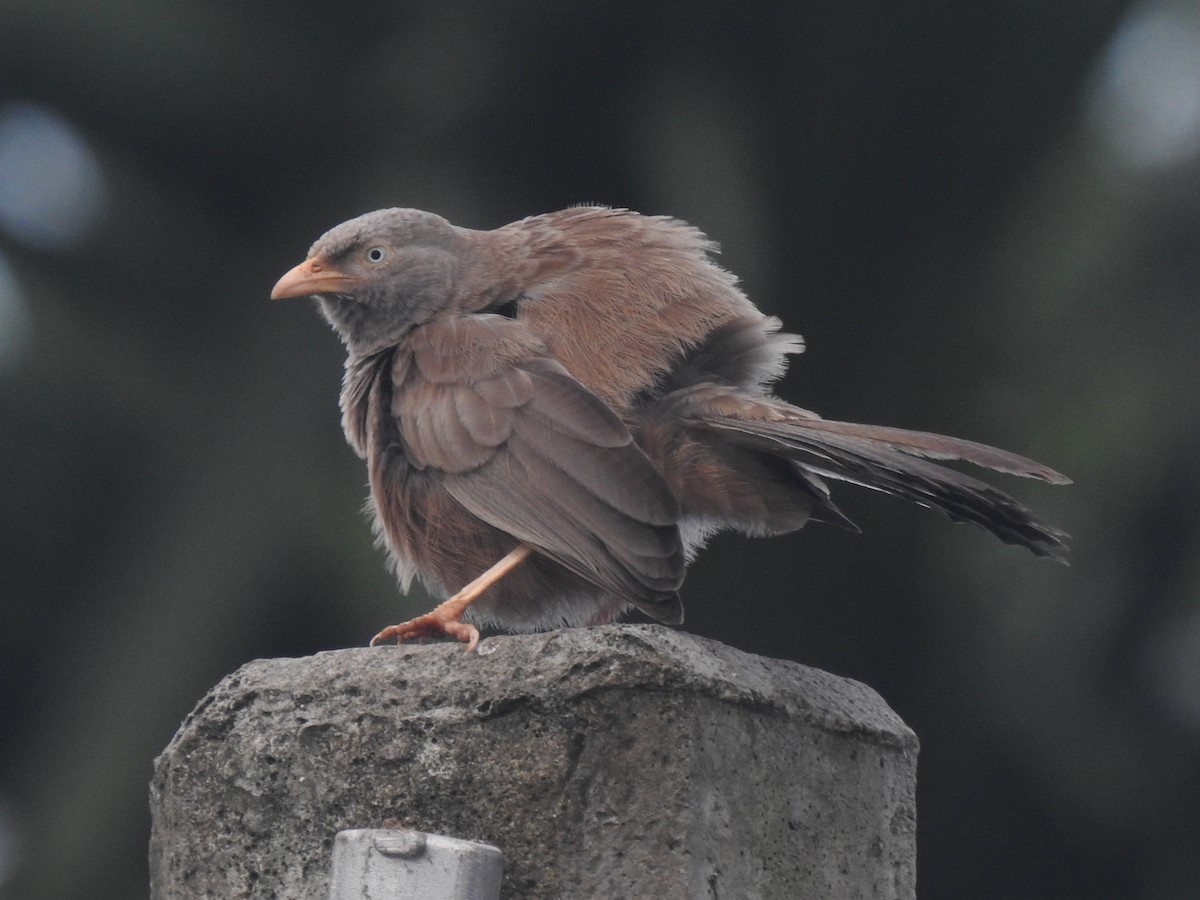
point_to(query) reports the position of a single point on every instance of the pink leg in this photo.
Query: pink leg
(446, 619)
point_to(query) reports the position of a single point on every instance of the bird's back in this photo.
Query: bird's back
(623, 299)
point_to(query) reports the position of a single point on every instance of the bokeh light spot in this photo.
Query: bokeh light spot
(51, 186)
(1145, 101)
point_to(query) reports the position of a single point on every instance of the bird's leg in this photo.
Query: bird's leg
(446, 619)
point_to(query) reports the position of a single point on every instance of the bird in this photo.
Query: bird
(557, 413)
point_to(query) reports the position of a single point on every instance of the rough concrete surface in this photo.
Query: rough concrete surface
(619, 761)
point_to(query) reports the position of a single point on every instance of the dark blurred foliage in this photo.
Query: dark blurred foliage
(983, 217)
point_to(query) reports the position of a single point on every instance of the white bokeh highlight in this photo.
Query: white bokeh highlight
(1145, 96)
(51, 185)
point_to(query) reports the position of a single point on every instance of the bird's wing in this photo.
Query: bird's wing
(519, 443)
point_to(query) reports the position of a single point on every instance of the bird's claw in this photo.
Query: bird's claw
(429, 625)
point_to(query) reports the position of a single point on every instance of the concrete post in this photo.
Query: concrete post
(619, 761)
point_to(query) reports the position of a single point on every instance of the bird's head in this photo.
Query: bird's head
(380, 275)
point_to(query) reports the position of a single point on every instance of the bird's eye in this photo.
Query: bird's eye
(376, 254)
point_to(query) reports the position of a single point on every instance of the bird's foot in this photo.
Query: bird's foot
(431, 624)
(446, 620)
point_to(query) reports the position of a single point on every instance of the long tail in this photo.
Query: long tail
(891, 460)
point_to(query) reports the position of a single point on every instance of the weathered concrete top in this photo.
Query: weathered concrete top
(610, 761)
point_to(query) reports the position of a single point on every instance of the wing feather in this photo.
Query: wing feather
(523, 446)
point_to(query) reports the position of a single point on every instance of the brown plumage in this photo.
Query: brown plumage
(582, 398)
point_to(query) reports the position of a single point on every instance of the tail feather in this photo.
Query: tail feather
(939, 446)
(895, 461)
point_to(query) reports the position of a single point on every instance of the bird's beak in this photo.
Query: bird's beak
(313, 276)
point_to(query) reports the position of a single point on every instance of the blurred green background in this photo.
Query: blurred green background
(983, 217)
